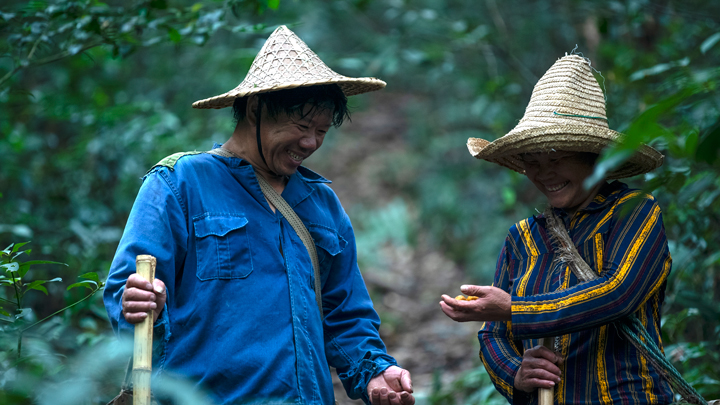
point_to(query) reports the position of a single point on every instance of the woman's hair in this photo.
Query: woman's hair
(293, 102)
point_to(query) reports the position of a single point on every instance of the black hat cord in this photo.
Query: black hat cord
(257, 135)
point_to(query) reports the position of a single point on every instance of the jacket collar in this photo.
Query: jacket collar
(296, 190)
(606, 196)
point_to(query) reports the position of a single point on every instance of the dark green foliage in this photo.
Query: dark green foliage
(93, 94)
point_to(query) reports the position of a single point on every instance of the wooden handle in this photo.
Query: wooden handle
(547, 395)
(142, 353)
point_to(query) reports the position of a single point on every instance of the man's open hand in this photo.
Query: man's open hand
(391, 387)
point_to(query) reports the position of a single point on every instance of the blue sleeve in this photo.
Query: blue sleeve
(352, 341)
(156, 226)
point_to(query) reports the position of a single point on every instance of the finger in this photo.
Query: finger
(476, 290)
(406, 398)
(406, 381)
(450, 312)
(545, 353)
(138, 306)
(137, 281)
(375, 396)
(383, 396)
(136, 294)
(542, 374)
(135, 317)
(449, 300)
(393, 398)
(160, 292)
(539, 383)
(455, 305)
(536, 363)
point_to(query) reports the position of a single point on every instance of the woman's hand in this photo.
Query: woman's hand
(539, 369)
(492, 304)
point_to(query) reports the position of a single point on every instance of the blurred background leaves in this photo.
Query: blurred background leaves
(94, 93)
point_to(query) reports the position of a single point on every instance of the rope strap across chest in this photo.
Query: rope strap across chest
(630, 327)
(297, 224)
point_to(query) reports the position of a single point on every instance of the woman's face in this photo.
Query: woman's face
(560, 175)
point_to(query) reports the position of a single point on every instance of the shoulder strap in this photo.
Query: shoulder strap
(292, 218)
(169, 161)
(631, 327)
(297, 224)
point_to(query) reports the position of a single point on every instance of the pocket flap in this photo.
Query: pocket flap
(217, 224)
(328, 239)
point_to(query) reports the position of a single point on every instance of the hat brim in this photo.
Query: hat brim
(506, 150)
(349, 86)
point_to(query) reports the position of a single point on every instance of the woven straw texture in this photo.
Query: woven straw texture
(286, 62)
(566, 112)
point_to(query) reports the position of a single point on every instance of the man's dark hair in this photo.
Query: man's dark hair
(292, 102)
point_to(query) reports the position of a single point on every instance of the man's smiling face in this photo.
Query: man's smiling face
(288, 140)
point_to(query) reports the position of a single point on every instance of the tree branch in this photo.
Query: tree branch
(49, 59)
(59, 311)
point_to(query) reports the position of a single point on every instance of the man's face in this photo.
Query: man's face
(560, 175)
(288, 140)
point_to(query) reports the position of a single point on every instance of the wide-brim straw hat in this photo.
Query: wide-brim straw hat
(566, 112)
(286, 62)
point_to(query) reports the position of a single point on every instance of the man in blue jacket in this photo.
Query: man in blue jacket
(234, 301)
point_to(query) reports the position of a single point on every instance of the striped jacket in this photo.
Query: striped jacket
(621, 236)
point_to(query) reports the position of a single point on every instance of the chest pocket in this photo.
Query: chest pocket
(329, 242)
(222, 247)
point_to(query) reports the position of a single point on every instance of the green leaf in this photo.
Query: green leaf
(657, 69)
(11, 267)
(39, 288)
(273, 4)
(158, 4)
(34, 262)
(196, 7)
(174, 35)
(17, 246)
(85, 283)
(691, 143)
(25, 266)
(709, 145)
(91, 276)
(708, 43)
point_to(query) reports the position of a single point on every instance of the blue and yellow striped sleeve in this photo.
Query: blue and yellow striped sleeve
(635, 264)
(500, 354)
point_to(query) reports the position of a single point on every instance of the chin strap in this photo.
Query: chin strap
(257, 136)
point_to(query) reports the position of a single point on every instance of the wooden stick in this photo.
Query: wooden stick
(546, 396)
(142, 353)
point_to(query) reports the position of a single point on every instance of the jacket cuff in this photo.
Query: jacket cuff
(161, 335)
(357, 379)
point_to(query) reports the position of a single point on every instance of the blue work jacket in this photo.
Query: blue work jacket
(241, 319)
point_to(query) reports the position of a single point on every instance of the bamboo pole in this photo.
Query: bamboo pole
(546, 396)
(142, 350)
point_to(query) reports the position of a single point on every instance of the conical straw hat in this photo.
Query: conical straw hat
(566, 112)
(286, 62)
